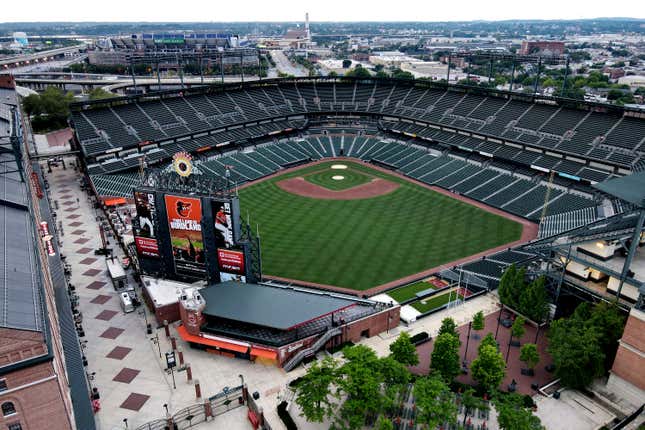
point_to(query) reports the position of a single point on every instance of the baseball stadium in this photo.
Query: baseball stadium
(344, 189)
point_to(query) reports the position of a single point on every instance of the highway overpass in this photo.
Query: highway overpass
(52, 54)
(118, 85)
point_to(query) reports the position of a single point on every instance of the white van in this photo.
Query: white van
(126, 302)
(116, 272)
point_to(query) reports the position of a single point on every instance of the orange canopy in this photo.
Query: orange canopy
(209, 342)
(264, 353)
(115, 201)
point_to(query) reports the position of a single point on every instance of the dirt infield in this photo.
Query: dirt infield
(301, 187)
(529, 230)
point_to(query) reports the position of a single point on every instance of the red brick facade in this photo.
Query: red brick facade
(630, 358)
(20, 345)
(36, 397)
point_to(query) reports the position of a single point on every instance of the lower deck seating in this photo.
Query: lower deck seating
(514, 194)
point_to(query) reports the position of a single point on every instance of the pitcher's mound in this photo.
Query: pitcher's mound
(338, 177)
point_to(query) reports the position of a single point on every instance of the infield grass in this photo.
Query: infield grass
(352, 177)
(363, 243)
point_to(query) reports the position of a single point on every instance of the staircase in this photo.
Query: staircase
(296, 359)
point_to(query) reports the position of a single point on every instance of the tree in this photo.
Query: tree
(448, 326)
(584, 345)
(332, 74)
(395, 377)
(360, 383)
(31, 105)
(434, 401)
(347, 63)
(382, 74)
(99, 94)
(487, 340)
(470, 403)
(488, 369)
(314, 393)
(576, 352)
(506, 287)
(49, 110)
(513, 415)
(534, 301)
(359, 72)
(400, 74)
(608, 321)
(478, 321)
(445, 356)
(529, 354)
(517, 330)
(383, 423)
(403, 351)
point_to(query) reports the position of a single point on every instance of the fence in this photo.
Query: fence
(193, 415)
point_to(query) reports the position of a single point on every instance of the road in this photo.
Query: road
(45, 66)
(285, 66)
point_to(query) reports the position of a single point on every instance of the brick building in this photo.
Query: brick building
(628, 370)
(36, 345)
(275, 324)
(542, 47)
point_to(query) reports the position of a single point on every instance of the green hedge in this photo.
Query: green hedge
(419, 337)
(286, 417)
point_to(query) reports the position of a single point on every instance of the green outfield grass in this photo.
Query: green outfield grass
(360, 244)
(435, 302)
(352, 177)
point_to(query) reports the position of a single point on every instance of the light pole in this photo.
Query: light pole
(470, 324)
(155, 340)
(145, 317)
(125, 421)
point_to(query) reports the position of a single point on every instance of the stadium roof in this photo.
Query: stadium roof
(281, 308)
(20, 285)
(629, 188)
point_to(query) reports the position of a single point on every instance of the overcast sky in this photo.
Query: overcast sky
(320, 10)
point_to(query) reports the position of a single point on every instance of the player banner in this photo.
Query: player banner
(222, 216)
(231, 265)
(145, 236)
(184, 223)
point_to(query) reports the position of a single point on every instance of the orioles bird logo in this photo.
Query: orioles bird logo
(183, 209)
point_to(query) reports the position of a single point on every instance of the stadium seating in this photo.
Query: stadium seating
(588, 135)
(115, 138)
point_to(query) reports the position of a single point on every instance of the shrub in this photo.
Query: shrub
(527, 401)
(419, 338)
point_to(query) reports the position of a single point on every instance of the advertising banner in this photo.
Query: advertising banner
(223, 218)
(145, 236)
(184, 224)
(231, 265)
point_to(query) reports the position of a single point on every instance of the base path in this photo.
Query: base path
(301, 187)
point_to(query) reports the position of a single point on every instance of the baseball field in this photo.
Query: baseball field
(348, 225)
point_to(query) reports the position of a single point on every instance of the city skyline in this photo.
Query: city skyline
(330, 11)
